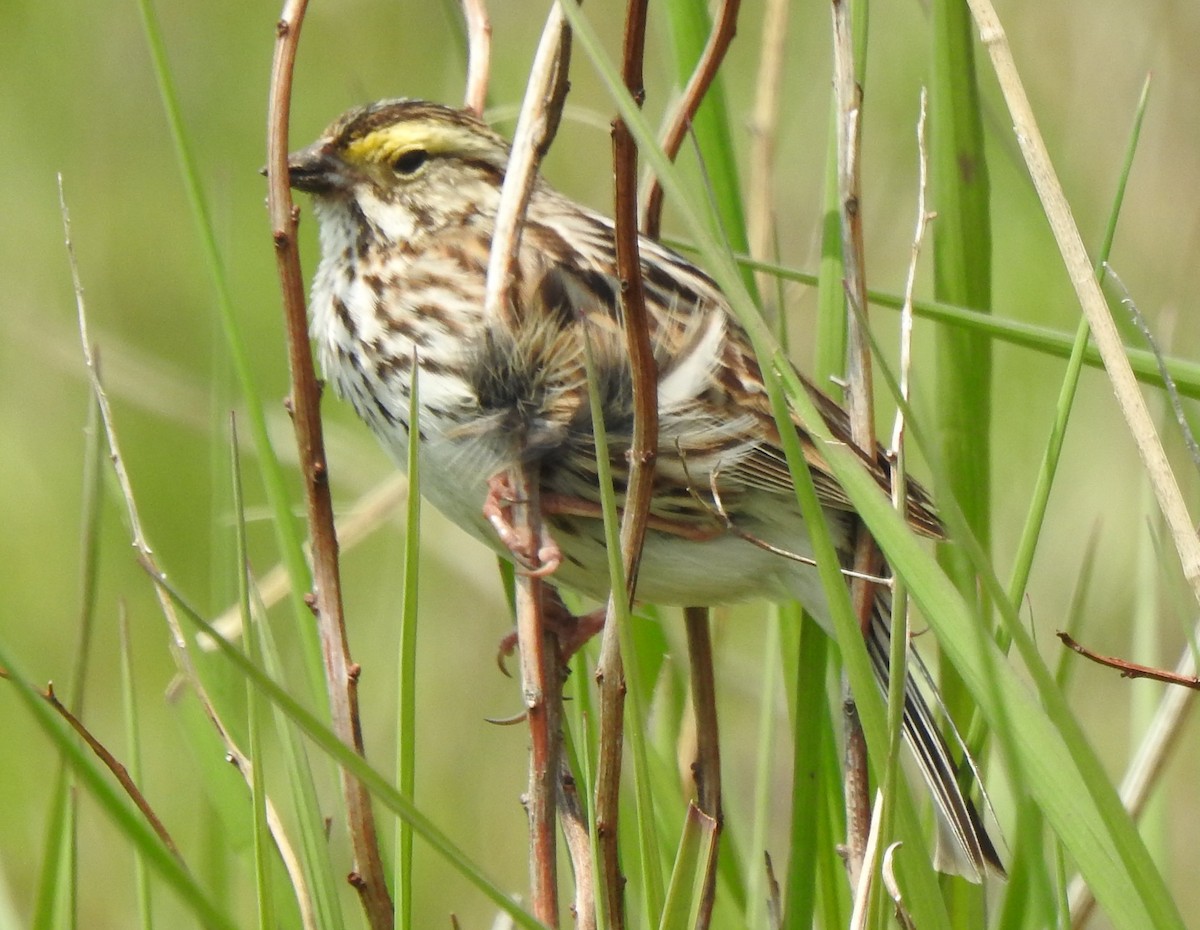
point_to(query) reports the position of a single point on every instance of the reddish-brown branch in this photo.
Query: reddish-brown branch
(541, 681)
(340, 672)
(707, 768)
(718, 44)
(609, 668)
(542, 697)
(1131, 669)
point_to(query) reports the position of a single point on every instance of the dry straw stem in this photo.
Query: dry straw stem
(479, 55)
(848, 95)
(541, 681)
(340, 673)
(1087, 288)
(178, 643)
(701, 80)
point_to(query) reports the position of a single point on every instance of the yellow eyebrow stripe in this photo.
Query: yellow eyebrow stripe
(388, 143)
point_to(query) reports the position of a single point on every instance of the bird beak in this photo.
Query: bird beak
(315, 169)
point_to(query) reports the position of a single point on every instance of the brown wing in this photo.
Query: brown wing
(697, 342)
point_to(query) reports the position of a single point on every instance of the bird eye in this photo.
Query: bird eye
(410, 161)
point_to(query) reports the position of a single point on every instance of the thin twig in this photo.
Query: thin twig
(884, 817)
(1087, 288)
(341, 674)
(540, 662)
(906, 309)
(706, 769)
(178, 644)
(698, 84)
(1130, 669)
(479, 54)
(120, 773)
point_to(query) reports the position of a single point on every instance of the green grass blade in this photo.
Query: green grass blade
(962, 263)
(141, 873)
(1023, 561)
(962, 250)
(258, 791)
(692, 863)
(1060, 770)
(321, 881)
(406, 685)
(689, 25)
(1042, 339)
(55, 903)
(806, 655)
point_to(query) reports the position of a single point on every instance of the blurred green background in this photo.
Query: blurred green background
(80, 98)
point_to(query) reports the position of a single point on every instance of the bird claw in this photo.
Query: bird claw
(537, 558)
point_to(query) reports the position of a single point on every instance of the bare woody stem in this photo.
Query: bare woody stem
(609, 669)
(706, 770)
(479, 54)
(701, 80)
(340, 672)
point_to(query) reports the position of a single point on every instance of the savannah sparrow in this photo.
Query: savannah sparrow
(405, 193)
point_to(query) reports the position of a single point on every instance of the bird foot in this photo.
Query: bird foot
(573, 631)
(537, 558)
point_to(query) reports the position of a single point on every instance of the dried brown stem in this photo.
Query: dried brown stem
(707, 768)
(479, 54)
(698, 84)
(866, 560)
(1130, 669)
(178, 644)
(341, 674)
(609, 668)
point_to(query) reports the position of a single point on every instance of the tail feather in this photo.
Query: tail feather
(964, 847)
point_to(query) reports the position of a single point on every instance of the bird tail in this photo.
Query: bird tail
(963, 845)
